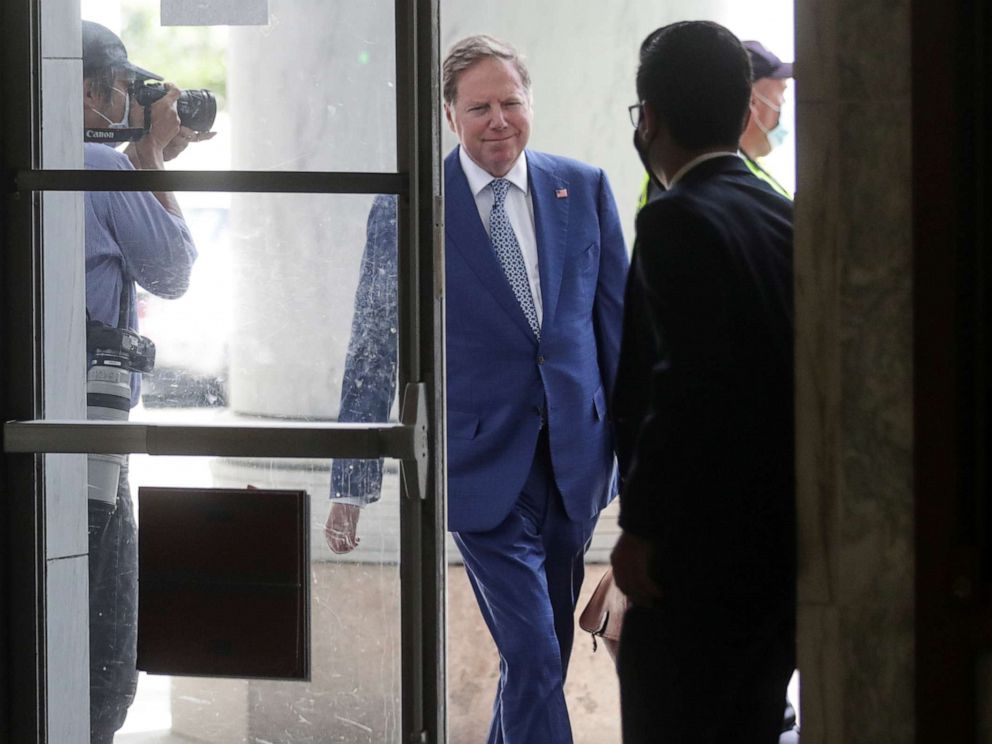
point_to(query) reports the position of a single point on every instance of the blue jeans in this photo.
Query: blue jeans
(113, 569)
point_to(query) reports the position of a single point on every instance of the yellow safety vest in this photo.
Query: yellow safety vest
(755, 167)
(752, 165)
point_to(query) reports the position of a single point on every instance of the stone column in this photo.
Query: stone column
(854, 371)
(314, 90)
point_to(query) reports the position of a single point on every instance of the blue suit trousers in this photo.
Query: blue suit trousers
(526, 574)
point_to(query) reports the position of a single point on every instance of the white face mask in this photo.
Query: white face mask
(778, 133)
(125, 121)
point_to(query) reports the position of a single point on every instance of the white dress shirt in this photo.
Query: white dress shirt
(519, 209)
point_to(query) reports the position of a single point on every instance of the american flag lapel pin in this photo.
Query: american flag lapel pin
(561, 193)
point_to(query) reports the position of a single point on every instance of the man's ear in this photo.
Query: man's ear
(649, 122)
(450, 117)
(748, 115)
(90, 95)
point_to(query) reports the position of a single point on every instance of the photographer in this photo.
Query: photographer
(132, 237)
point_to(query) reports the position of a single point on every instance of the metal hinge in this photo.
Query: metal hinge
(413, 413)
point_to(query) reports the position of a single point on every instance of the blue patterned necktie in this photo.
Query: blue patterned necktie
(508, 252)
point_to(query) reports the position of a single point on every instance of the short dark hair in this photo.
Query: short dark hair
(466, 52)
(696, 75)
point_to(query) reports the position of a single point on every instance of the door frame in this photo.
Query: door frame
(952, 286)
(418, 440)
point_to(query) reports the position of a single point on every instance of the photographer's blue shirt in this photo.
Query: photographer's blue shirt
(130, 238)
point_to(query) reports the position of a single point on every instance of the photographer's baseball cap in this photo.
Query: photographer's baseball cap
(103, 49)
(764, 64)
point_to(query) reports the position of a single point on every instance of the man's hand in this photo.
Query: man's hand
(165, 139)
(181, 141)
(630, 558)
(165, 118)
(148, 152)
(341, 527)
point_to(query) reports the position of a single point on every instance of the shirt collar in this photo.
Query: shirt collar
(696, 161)
(478, 178)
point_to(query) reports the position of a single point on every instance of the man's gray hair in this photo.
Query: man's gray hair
(465, 53)
(103, 79)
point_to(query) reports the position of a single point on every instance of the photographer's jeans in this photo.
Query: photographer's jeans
(113, 569)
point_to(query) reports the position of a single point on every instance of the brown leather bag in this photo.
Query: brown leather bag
(603, 614)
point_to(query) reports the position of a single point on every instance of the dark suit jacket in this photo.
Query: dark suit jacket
(704, 393)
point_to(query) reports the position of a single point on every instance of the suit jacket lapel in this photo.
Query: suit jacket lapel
(465, 234)
(551, 227)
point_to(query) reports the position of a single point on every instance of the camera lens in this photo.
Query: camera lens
(197, 109)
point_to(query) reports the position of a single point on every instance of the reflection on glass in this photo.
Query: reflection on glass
(354, 693)
(260, 333)
(311, 90)
(262, 322)
(248, 300)
(191, 333)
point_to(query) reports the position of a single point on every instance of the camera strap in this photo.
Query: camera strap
(113, 136)
(124, 310)
(124, 314)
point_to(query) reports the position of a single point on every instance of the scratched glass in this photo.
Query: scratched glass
(354, 694)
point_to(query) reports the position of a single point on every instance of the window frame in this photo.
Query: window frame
(417, 440)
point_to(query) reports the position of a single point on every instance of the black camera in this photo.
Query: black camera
(197, 108)
(119, 347)
(114, 354)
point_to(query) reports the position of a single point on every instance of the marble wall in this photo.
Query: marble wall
(854, 370)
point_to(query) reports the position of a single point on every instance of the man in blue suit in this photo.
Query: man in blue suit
(535, 268)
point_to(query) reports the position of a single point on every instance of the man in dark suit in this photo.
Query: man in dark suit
(535, 267)
(707, 552)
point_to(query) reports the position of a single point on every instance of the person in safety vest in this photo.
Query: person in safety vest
(765, 129)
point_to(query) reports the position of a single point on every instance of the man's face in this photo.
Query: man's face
(767, 97)
(491, 115)
(112, 106)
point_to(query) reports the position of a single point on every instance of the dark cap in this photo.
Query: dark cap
(103, 49)
(764, 64)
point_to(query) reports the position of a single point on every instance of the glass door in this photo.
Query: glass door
(285, 261)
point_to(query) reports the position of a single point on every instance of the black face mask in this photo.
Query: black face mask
(642, 152)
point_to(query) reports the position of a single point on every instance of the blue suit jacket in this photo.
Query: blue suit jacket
(500, 380)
